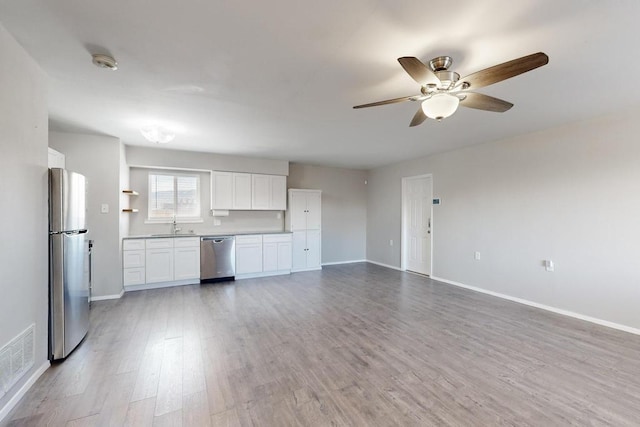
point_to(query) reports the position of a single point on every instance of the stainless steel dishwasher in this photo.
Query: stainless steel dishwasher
(217, 258)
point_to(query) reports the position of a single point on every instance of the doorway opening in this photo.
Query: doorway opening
(416, 253)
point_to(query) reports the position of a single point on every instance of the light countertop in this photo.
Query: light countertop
(175, 236)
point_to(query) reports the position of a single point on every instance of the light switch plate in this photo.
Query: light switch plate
(104, 208)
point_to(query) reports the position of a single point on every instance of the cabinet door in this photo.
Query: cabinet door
(159, 265)
(186, 263)
(261, 192)
(314, 206)
(241, 191)
(270, 257)
(278, 193)
(299, 250)
(284, 256)
(313, 249)
(248, 258)
(222, 190)
(133, 276)
(298, 210)
(132, 259)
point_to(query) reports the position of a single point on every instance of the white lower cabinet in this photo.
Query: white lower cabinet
(276, 253)
(248, 254)
(263, 255)
(133, 257)
(159, 260)
(134, 276)
(306, 250)
(159, 265)
(186, 258)
(170, 261)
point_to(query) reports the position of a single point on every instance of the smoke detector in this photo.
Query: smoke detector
(105, 61)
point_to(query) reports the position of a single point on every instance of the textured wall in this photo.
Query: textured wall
(569, 194)
(23, 191)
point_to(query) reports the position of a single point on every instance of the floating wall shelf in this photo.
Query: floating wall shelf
(130, 210)
(130, 192)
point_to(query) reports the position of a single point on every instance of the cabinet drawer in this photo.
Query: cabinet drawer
(249, 240)
(132, 244)
(133, 258)
(159, 243)
(276, 238)
(186, 242)
(134, 276)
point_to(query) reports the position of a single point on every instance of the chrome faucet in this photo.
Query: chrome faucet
(176, 229)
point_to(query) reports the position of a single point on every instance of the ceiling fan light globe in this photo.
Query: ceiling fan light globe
(157, 134)
(440, 106)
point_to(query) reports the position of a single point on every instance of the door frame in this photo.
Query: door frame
(403, 221)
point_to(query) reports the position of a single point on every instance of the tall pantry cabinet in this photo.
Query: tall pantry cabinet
(304, 220)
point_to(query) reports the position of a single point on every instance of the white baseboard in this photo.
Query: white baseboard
(4, 411)
(544, 307)
(146, 286)
(384, 265)
(263, 274)
(106, 297)
(306, 269)
(344, 262)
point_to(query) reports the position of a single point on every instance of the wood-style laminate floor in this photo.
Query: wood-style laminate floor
(350, 345)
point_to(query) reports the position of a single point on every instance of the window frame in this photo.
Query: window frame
(179, 219)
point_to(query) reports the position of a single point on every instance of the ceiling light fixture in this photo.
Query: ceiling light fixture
(440, 106)
(157, 134)
(105, 61)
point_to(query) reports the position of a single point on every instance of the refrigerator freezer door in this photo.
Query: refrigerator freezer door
(69, 292)
(67, 198)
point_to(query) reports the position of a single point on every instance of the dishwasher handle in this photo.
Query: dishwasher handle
(216, 239)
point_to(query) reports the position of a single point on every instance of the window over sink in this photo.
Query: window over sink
(174, 196)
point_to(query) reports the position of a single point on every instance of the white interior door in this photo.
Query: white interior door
(417, 209)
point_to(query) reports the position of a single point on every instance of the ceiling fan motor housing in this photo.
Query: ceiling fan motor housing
(440, 63)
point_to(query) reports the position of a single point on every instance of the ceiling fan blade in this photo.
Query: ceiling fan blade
(480, 101)
(418, 118)
(504, 71)
(418, 71)
(387, 101)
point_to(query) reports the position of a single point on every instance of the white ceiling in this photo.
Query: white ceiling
(278, 78)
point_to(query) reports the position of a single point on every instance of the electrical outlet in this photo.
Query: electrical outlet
(548, 265)
(217, 222)
(476, 256)
(104, 208)
(390, 242)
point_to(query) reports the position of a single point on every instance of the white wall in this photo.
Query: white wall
(160, 157)
(344, 208)
(23, 191)
(570, 194)
(98, 158)
(236, 222)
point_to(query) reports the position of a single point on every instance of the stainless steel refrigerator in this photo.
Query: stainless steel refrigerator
(69, 262)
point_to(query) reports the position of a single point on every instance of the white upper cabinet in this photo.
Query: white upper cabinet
(261, 192)
(278, 192)
(242, 191)
(221, 190)
(269, 192)
(246, 191)
(305, 220)
(56, 159)
(305, 210)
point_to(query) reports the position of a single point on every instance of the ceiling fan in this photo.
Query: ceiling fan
(443, 90)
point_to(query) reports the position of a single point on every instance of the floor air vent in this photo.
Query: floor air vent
(16, 358)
